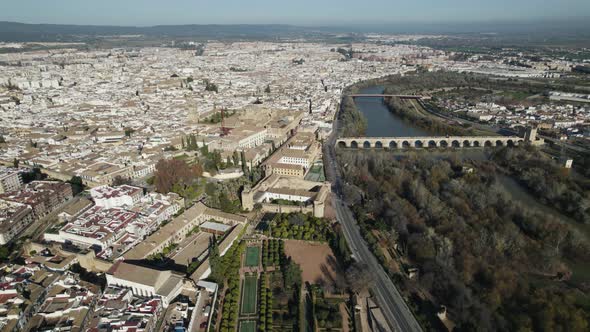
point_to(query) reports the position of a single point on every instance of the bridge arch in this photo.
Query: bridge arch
(406, 145)
(418, 144)
(487, 144)
(444, 144)
(432, 144)
(476, 144)
(354, 145)
(456, 144)
(378, 145)
(466, 143)
(367, 145)
(499, 143)
(392, 144)
(510, 142)
(342, 144)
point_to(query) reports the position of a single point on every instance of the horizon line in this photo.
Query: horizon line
(576, 19)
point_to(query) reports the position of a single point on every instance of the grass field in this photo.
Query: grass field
(316, 174)
(252, 256)
(249, 292)
(248, 326)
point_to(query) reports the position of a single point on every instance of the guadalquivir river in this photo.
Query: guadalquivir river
(383, 123)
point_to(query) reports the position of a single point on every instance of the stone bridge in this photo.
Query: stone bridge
(427, 142)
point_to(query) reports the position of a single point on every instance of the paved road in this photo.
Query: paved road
(393, 305)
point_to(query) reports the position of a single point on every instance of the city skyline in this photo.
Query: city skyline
(305, 12)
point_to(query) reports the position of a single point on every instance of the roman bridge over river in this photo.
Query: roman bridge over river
(360, 95)
(427, 142)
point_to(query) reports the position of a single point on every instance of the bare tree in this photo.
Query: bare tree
(359, 278)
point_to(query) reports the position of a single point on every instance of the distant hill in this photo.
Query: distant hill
(21, 32)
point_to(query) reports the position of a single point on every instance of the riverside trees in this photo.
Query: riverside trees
(546, 180)
(353, 122)
(479, 253)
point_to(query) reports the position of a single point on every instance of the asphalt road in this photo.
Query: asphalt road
(392, 304)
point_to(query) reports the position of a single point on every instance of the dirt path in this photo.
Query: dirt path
(345, 317)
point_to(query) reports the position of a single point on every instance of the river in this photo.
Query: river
(380, 121)
(383, 123)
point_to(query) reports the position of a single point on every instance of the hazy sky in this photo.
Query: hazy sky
(305, 12)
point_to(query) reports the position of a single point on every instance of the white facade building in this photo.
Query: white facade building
(10, 180)
(109, 197)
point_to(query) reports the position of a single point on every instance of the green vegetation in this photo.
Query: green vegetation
(495, 264)
(300, 226)
(213, 162)
(252, 256)
(249, 291)
(347, 53)
(285, 290)
(4, 253)
(316, 174)
(129, 132)
(287, 202)
(352, 122)
(216, 117)
(237, 69)
(175, 175)
(554, 185)
(271, 250)
(339, 247)
(225, 271)
(193, 266)
(77, 184)
(325, 311)
(211, 86)
(226, 195)
(405, 110)
(265, 317)
(189, 143)
(193, 230)
(161, 256)
(248, 326)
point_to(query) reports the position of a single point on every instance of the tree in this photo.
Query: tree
(291, 274)
(236, 158)
(359, 278)
(211, 86)
(2, 139)
(77, 184)
(4, 253)
(15, 162)
(170, 172)
(244, 166)
(267, 89)
(129, 132)
(119, 180)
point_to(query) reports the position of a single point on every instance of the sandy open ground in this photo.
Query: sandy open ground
(316, 260)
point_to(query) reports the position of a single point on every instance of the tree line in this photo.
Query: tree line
(479, 253)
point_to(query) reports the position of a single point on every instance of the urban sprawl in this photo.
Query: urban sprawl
(103, 120)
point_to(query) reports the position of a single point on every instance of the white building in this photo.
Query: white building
(110, 197)
(10, 180)
(144, 281)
